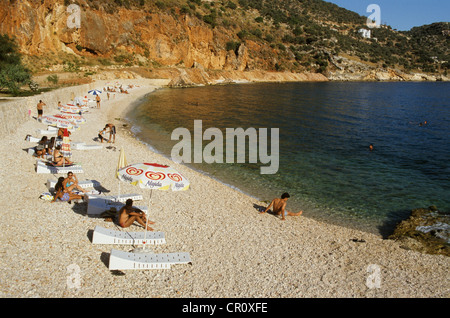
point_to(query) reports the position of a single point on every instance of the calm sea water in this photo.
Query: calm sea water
(325, 132)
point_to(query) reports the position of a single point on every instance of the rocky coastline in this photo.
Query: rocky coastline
(427, 230)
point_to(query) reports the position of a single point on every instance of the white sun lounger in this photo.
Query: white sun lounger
(120, 260)
(97, 206)
(83, 146)
(41, 167)
(113, 198)
(83, 183)
(107, 236)
(46, 132)
(32, 139)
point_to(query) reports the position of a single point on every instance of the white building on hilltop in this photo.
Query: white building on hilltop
(364, 33)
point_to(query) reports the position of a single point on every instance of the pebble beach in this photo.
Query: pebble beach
(235, 251)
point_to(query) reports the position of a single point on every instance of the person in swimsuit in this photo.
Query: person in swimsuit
(51, 145)
(97, 98)
(40, 107)
(58, 158)
(61, 133)
(128, 214)
(62, 194)
(40, 149)
(101, 134)
(112, 132)
(71, 182)
(279, 207)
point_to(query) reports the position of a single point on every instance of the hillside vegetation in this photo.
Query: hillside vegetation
(284, 35)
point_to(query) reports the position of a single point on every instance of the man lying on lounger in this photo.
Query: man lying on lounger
(279, 207)
(128, 214)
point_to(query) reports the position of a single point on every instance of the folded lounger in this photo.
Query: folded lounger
(83, 183)
(120, 260)
(42, 167)
(97, 206)
(107, 236)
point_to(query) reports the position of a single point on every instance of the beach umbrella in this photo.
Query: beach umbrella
(95, 92)
(73, 109)
(78, 119)
(58, 122)
(65, 146)
(153, 176)
(80, 100)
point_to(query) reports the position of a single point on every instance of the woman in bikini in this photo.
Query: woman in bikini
(58, 158)
(62, 194)
(71, 182)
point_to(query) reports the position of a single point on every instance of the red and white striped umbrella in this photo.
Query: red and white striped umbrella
(59, 122)
(65, 146)
(78, 119)
(153, 176)
(73, 109)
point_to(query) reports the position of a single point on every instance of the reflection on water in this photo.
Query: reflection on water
(325, 130)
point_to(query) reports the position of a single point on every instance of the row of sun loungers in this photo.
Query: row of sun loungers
(120, 260)
(98, 203)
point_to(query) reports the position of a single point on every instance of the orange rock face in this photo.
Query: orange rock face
(45, 26)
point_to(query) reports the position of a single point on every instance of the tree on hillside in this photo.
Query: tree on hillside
(12, 72)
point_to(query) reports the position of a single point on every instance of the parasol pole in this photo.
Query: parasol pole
(146, 219)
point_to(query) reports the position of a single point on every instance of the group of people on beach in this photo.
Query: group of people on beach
(64, 191)
(65, 186)
(51, 147)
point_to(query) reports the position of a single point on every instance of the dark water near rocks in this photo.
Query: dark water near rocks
(325, 130)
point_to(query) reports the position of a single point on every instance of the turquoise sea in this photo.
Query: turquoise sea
(325, 130)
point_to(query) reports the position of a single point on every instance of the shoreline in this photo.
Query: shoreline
(235, 251)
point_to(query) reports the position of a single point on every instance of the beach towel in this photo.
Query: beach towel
(47, 196)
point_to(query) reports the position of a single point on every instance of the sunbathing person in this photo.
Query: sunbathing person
(71, 182)
(128, 214)
(51, 145)
(279, 207)
(61, 133)
(58, 158)
(40, 148)
(63, 195)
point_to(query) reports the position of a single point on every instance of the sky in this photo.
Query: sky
(402, 15)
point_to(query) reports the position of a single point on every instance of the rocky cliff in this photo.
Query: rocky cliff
(183, 35)
(42, 28)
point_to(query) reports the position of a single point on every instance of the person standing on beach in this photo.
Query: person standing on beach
(40, 109)
(279, 207)
(112, 132)
(97, 98)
